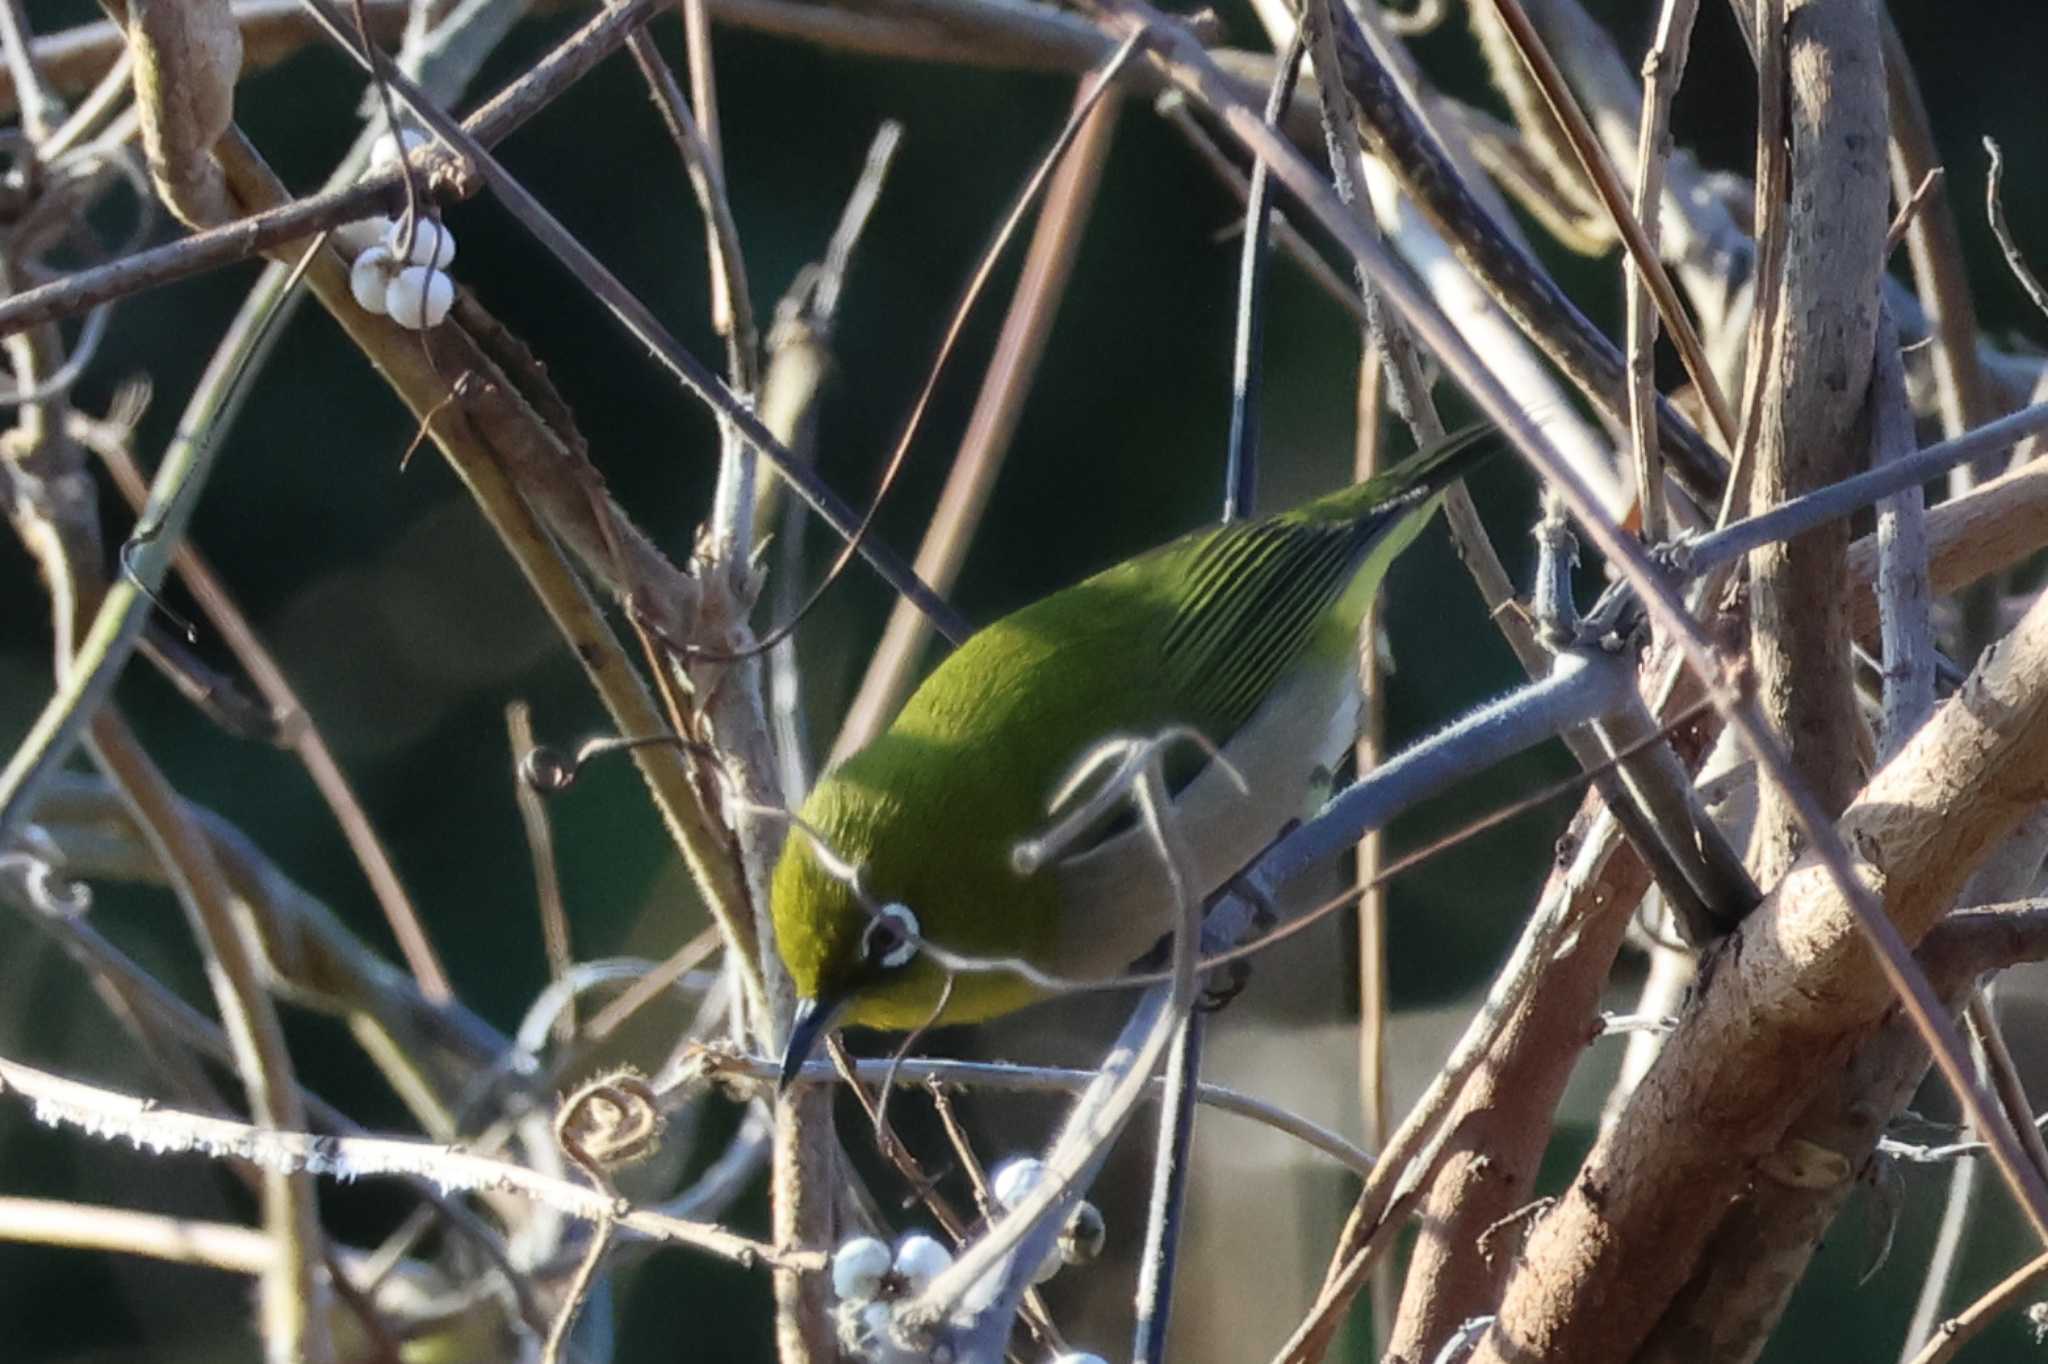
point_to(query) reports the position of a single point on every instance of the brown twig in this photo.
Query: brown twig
(1027, 326)
(293, 1303)
(1663, 69)
(1772, 194)
(1994, 211)
(1497, 1131)
(304, 736)
(547, 877)
(1952, 1335)
(1934, 247)
(1642, 248)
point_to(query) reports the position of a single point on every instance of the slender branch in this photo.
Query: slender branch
(1838, 499)
(1642, 247)
(303, 734)
(1027, 326)
(1005, 1077)
(294, 1304)
(1903, 591)
(1494, 1137)
(1663, 69)
(1421, 1142)
(1934, 246)
(1166, 1208)
(1994, 210)
(547, 875)
(1254, 262)
(1952, 1335)
(121, 1231)
(113, 1116)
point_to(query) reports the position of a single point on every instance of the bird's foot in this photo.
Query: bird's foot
(1225, 984)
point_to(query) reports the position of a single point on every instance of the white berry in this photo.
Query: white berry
(1052, 1264)
(919, 1260)
(432, 244)
(1080, 1357)
(857, 1269)
(1014, 1180)
(384, 150)
(419, 298)
(370, 278)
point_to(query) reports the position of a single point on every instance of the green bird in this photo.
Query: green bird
(1245, 633)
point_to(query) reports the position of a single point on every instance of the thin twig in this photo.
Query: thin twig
(1241, 453)
(114, 1116)
(1374, 1002)
(1838, 499)
(1663, 70)
(40, 108)
(1008, 1078)
(1027, 327)
(1904, 593)
(1166, 1208)
(1952, 1335)
(220, 611)
(1959, 1204)
(1994, 210)
(579, 1289)
(2005, 1078)
(1642, 248)
(123, 1231)
(547, 877)
(293, 1300)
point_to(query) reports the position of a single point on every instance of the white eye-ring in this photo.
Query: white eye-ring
(890, 939)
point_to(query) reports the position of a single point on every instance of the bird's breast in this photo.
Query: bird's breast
(1116, 899)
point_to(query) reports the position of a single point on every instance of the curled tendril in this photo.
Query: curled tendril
(549, 770)
(610, 1122)
(47, 890)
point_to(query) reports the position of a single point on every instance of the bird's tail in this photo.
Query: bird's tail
(1413, 480)
(1450, 459)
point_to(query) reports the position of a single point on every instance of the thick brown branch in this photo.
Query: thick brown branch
(1814, 397)
(1787, 999)
(1503, 1119)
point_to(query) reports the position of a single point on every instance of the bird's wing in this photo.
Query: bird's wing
(1248, 603)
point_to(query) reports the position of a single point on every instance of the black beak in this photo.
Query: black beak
(812, 1021)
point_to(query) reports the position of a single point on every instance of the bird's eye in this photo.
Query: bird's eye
(890, 939)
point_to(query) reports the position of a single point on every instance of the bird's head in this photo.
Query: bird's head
(853, 959)
(870, 883)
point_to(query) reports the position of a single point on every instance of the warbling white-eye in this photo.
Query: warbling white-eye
(1245, 633)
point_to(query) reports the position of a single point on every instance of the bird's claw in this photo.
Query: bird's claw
(1225, 984)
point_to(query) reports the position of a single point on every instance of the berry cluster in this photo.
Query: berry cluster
(404, 276)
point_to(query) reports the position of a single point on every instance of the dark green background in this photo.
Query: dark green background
(408, 630)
